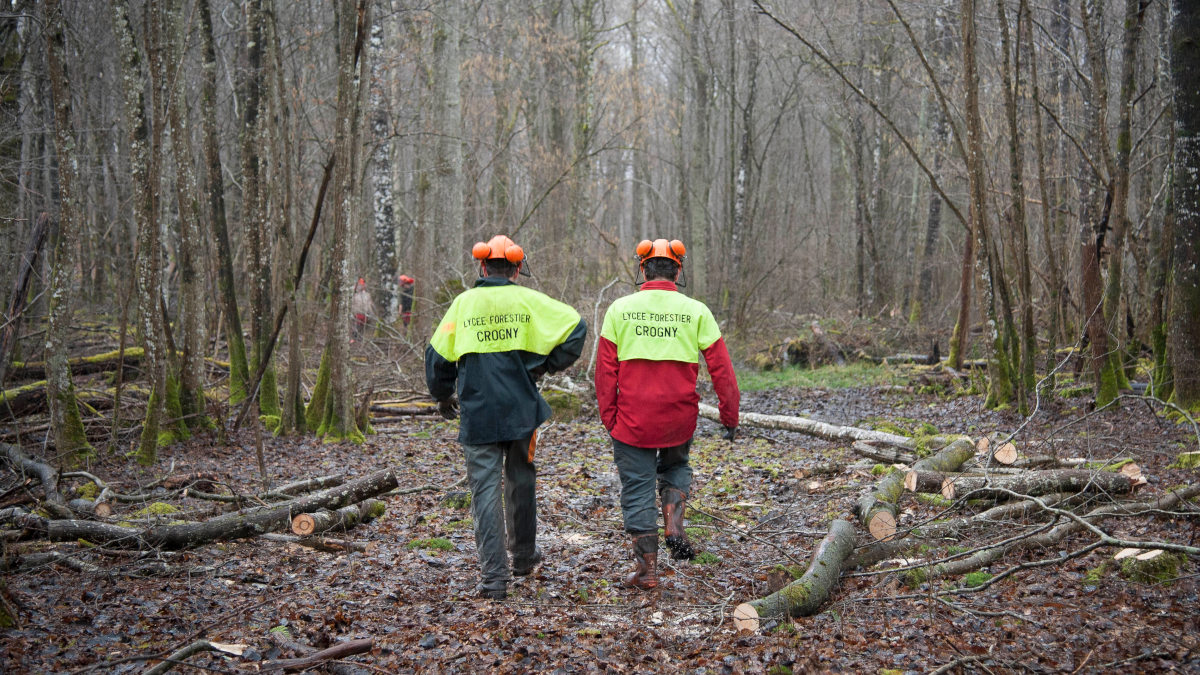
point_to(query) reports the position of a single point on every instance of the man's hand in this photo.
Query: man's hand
(448, 408)
(730, 433)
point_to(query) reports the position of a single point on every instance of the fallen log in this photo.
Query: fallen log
(306, 524)
(19, 296)
(876, 508)
(885, 455)
(236, 525)
(829, 432)
(83, 365)
(339, 651)
(952, 529)
(46, 474)
(325, 544)
(1050, 539)
(30, 399)
(1035, 483)
(805, 595)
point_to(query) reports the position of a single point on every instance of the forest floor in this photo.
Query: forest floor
(760, 503)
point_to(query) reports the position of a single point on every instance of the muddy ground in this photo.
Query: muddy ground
(760, 503)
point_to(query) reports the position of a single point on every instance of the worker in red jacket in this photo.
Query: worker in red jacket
(647, 364)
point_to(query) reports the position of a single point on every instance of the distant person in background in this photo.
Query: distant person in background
(361, 308)
(406, 297)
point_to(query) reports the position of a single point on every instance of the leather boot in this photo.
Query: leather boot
(673, 504)
(645, 553)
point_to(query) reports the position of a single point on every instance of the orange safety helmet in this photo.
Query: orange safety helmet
(661, 248)
(499, 246)
(405, 279)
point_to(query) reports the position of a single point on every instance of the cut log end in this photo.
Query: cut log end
(910, 481)
(1150, 555)
(982, 444)
(1126, 553)
(745, 617)
(1005, 454)
(882, 526)
(304, 525)
(103, 510)
(1133, 471)
(948, 488)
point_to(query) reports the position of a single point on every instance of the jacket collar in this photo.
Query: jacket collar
(659, 285)
(493, 281)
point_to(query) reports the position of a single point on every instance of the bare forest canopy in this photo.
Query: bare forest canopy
(999, 179)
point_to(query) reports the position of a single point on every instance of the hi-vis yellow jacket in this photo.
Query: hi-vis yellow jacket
(491, 346)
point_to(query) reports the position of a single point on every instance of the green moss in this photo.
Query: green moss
(564, 406)
(1186, 460)
(976, 579)
(933, 500)
(882, 470)
(156, 509)
(705, 558)
(1075, 392)
(914, 577)
(433, 544)
(1161, 570)
(1095, 574)
(314, 414)
(797, 592)
(87, 491)
(147, 452)
(457, 500)
(178, 429)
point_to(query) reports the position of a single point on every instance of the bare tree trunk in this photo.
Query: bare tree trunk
(1135, 12)
(149, 261)
(1055, 284)
(238, 367)
(65, 423)
(1024, 369)
(258, 244)
(448, 177)
(191, 292)
(338, 422)
(1184, 336)
(958, 342)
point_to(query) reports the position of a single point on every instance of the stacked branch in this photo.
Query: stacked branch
(877, 508)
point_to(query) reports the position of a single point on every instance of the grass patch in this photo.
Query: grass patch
(861, 374)
(433, 544)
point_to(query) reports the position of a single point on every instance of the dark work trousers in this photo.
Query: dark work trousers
(515, 513)
(640, 469)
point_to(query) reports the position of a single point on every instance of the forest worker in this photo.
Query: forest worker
(495, 341)
(407, 284)
(361, 307)
(646, 369)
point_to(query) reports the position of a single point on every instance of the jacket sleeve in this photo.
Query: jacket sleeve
(607, 367)
(566, 353)
(440, 374)
(720, 368)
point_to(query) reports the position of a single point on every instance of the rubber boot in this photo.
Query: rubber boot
(673, 504)
(645, 553)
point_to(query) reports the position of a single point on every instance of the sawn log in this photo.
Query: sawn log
(1035, 483)
(829, 432)
(306, 524)
(805, 595)
(245, 523)
(876, 508)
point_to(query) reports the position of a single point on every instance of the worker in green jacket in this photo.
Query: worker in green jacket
(485, 358)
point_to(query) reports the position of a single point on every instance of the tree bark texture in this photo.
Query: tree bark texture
(1032, 483)
(1184, 336)
(65, 423)
(19, 296)
(829, 432)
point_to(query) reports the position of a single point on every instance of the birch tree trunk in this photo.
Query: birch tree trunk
(1184, 340)
(386, 298)
(65, 423)
(149, 263)
(215, 198)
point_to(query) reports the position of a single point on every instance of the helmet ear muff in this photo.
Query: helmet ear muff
(514, 254)
(644, 248)
(480, 251)
(678, 249)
